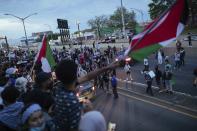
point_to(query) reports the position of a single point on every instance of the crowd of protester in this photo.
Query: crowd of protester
(43, 102)
(164, 77)
(40, 102)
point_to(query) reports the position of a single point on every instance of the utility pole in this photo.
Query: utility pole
(6, 41)
(123, 22)
(50, 29)
(78, 27)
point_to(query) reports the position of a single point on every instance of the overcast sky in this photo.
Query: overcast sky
(49, 10)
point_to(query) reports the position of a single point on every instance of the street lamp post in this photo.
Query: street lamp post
(141, 12)
(123, 22)
(78, 23)
(23, 21)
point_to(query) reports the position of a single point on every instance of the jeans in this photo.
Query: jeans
(168, 85)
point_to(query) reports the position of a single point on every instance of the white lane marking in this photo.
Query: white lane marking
(162, 106)
(157, 99)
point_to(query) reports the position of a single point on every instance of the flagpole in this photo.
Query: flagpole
(31, 71)
(152, 26)
(32, 68)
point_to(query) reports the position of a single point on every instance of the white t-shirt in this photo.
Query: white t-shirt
(159, 55)
(177, 56)
(127, 68)
(81, 72)
(145, 61)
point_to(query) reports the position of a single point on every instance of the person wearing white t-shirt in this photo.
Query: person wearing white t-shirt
(146, 64)
(81, 72)
(159, 57)
(127, 69)
(177, 60)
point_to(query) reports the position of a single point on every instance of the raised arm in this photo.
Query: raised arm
(97, 72)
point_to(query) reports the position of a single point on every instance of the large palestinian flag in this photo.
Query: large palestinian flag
(45, 56)
(161, 32)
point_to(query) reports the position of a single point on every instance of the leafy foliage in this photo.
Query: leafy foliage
(115, 20)
(157, 7)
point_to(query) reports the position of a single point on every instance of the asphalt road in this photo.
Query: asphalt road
(184, 77)
(133, 114)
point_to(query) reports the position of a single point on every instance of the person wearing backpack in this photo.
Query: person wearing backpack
(127, 69)
(114, 85)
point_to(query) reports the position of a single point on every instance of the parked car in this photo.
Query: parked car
(111, 39)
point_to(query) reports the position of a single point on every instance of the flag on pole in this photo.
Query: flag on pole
(45, 56)
(161, 32)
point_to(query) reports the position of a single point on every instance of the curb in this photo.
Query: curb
(155, 87)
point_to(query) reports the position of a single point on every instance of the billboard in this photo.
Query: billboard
(62, 24)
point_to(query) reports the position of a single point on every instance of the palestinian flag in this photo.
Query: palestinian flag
(45, 56)
(161, 32)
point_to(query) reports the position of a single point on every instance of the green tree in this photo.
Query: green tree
(157, 7)
(97, 23)
(115, 20)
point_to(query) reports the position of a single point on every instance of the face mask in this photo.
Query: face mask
(41, 128)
